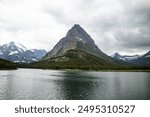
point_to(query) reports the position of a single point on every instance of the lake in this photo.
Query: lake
(39, 84)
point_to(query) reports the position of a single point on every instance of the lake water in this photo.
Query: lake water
(66, 85)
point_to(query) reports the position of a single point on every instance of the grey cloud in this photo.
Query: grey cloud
(131, 40)
(114, 25)
(7, 26)
(58, 14)
(138, 18)
(130, 28)
(77, 11)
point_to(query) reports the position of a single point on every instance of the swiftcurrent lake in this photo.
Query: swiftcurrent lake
(38, 84)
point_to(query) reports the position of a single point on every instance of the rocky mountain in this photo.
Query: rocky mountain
(76, 50)
(18, 53)
(76, 38)
(139, 60)
(124, 57)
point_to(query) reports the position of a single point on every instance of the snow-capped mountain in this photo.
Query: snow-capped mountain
(18, 53)
(125, 57)
(142, 60)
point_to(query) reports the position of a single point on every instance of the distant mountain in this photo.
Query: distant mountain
(4, 64)
(124, 57)
(18, 53)
(138, 60)
(76, 50)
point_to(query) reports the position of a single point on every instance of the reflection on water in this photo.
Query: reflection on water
(70, 85)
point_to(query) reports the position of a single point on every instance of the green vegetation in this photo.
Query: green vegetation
(78, 59)
(4, 65)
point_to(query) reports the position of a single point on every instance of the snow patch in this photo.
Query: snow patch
(13, 52)
(124, 59)
(17, 61)
(80, 39)
(12, 48)
(34, 59)
(20, 46)
(32, 50)
(132, 57)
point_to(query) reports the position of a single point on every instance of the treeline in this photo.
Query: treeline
(7, 65)
(58, 66)
(75, 59)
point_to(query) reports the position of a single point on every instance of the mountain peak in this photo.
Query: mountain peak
(115, 54)
(77, 26)
(77, 31)
(18, 45)
(17, 53)
(76, 38)
(11, 42)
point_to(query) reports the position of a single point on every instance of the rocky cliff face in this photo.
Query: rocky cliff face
(76, 38)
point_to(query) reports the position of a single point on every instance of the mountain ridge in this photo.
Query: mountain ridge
(17, 53)
(138, 60)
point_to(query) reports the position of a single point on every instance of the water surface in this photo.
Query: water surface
(66, 85)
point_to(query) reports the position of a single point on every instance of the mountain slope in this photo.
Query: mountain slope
(17, 53)
(75, 59)
(77, 50)
(143, 60)
(138, 60)
(76, 38)
(4, 64)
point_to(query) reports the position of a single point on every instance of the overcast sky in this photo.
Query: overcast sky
(115, 25)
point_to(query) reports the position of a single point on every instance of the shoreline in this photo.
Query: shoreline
(98, 70)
